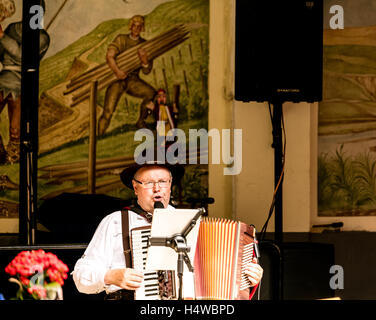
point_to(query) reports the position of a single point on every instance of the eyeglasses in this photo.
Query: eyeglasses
(151, 184)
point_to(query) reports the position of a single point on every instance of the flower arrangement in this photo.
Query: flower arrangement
(39, 275)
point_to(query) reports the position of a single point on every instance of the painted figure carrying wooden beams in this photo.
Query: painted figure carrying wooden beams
(130, 82)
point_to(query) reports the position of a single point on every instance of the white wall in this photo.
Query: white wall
(255, 185)
(221, 74)
(298, 191)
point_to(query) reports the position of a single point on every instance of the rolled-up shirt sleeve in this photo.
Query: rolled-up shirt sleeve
(90, 269)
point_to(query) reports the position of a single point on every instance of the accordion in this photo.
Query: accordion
(223, 248)
(157, 285)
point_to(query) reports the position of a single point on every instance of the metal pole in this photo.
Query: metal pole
(278, 167)
(30, 191)
(278, 181)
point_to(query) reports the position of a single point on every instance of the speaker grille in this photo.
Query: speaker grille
(279, 50)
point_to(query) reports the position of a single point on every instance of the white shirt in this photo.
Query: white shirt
(104, 252)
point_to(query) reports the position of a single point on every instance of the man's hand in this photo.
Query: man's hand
(120, 74)
(111, 61)
(1, 32)
(254, 272)
(150, 105)
(128, 278)
(142, 54)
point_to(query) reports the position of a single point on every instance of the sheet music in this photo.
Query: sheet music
(166, 223)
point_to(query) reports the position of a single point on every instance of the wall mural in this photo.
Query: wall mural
(347, 114)
(10, 105)
(94, 72)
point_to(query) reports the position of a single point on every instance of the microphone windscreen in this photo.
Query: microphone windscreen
(158, 205)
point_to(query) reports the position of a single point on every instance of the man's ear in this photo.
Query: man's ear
(134, 184)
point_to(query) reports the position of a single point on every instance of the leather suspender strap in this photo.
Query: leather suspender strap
(125, 230)
(124, 294)
(126, 242)
(142, 213)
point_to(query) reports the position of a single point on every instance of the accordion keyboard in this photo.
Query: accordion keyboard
(149, 289)
(247, 257)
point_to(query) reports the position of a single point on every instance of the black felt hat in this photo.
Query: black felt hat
(126, 176)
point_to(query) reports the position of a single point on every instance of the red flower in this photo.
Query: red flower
(25, 281)
(28, 263)
(11, 270)
(40, 291)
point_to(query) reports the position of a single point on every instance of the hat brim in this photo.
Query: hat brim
(126, 176)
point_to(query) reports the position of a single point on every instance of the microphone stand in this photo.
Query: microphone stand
(31, 221)
(278, 174)
(278, 169)
(178, 242)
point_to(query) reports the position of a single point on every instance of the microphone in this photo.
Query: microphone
(330, 225)
(158, 205)
(202, 201)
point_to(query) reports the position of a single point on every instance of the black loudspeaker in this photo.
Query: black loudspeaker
(73, 218)
(271, 262)
(279, 50)
(296, 270)
(306, 267)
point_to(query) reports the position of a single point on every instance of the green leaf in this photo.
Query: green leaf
(52, 285)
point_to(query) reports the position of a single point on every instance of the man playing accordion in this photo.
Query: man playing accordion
(103, 265)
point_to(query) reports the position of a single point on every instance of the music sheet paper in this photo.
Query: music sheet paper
(167, 223)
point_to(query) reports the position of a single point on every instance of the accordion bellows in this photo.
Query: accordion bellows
(224, 247)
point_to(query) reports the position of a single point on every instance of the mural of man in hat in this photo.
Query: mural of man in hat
(103, 266)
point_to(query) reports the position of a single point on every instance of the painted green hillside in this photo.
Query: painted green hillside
(54, 70)
(185, 65)
(352, 59)
(349, 89)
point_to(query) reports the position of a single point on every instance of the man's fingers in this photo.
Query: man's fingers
(132, 285)
(136, 278)
(253, 279)
(132, 279)
(254, 273)
(132, 272)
